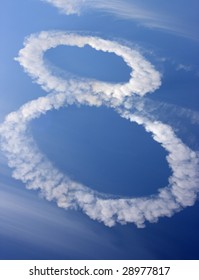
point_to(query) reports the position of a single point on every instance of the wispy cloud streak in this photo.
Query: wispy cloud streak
(141, 13)
(35, 170)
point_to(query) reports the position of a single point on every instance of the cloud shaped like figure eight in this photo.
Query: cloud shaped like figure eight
(37, 172)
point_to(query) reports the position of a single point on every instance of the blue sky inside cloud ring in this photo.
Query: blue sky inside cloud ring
(37, 172)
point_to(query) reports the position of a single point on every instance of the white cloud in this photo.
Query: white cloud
(34, 169)
(22, 212)
(142, 13)
(67, 6)
(143, 78)
(186, 68)
(167, 112)
(125, 9)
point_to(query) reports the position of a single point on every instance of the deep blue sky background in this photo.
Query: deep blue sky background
(96, 146)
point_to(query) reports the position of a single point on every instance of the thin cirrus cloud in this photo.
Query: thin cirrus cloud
(154, 17)
(37, 172)
(169, 113)
(26, 218)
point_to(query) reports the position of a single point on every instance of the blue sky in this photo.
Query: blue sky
(94, 145)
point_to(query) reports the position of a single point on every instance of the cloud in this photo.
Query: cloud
(153, 17)
(37, 172)
(143, 78)
(67, 6)
(124, 9)
(167, 112)
(27, 219)
(186, 68)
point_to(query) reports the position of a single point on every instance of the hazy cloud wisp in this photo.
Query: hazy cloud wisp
(142, 13)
